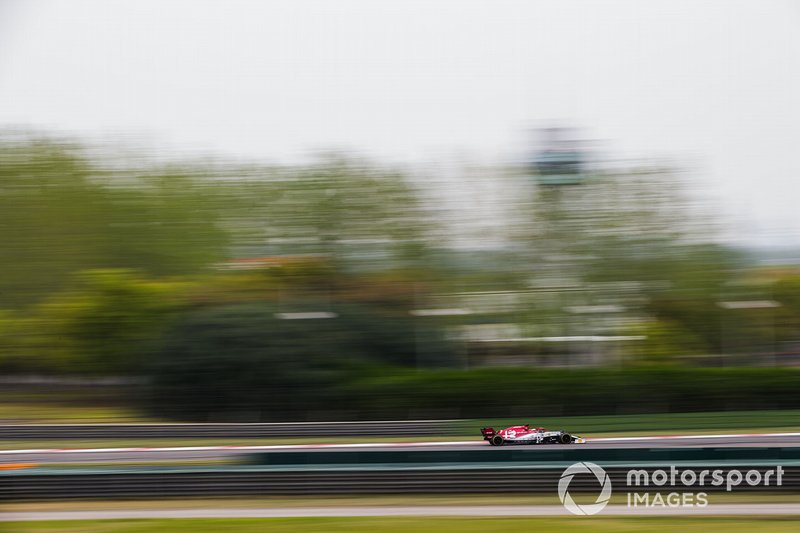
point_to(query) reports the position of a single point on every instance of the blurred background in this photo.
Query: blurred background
(306, 211)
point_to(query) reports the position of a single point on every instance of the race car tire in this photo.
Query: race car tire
(497, 440)
(566, 438)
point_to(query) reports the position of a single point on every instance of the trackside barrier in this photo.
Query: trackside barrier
(199, 482)
(528, 454)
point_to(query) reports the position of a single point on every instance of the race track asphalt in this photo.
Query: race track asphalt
(206, 453)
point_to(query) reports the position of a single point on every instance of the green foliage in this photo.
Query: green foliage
(243, 361)
(350, 212)
(550, 392)
(786, 290)
(99, 258)
(204, 387)
(60, 213)
(665, 343)
(785, 320)
(106, 323)
(26, 345)
(390, 336)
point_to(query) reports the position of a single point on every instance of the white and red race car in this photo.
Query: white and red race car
(528, 435)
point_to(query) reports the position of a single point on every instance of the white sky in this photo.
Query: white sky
(714, 83)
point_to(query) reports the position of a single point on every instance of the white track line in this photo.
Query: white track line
(234, 447)
(268, 447)
(716, 436)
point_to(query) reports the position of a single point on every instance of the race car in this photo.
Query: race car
(528, 435)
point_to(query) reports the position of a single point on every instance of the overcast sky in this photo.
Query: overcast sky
(712, 83)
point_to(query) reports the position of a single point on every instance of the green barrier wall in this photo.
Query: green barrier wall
(532, 455)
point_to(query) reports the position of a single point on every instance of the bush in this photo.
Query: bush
(539, 392)
(106, 323)
(242, 362)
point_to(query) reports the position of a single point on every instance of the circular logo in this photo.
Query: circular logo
(586, 509)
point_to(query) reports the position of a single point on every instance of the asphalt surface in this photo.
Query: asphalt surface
(206, 453)
(487, 510)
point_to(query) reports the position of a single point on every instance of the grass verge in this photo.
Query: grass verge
(416, 524)
(283, 502)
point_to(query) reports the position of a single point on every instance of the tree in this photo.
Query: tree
(107, 323)
(240, 361)
(353, 214)
(630, 240)
(62, 212)
(255, 361)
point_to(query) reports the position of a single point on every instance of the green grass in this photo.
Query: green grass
(75, 404)
(418, 524)
(68, 404)
(20, 412)
(101, 404)
(44, 413)
(283, 502)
